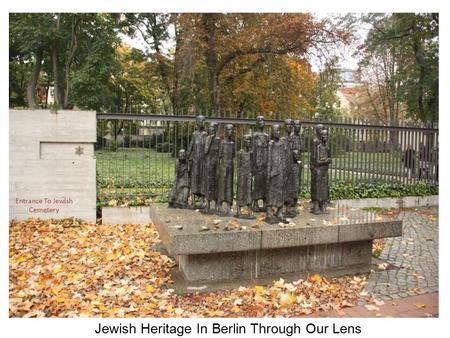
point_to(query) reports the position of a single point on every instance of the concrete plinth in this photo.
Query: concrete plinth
(332, 244)
(126, 215)
(256, 264)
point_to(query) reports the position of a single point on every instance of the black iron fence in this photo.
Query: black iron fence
(136, 153)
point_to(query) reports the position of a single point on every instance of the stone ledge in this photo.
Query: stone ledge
(339, 226)
(390, 202)
(256, 264)
(332, 243)
(126, 215)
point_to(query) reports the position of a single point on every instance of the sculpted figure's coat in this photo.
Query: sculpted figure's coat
(260, 145)
(196, 155)
(226, 170)
(212, 146)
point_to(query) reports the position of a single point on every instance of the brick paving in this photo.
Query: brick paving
(412, 259)
(426, 305)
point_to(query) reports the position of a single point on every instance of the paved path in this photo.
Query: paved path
(411, 307)
(412, 258)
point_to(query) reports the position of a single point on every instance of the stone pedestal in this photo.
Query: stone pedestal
(333, 244)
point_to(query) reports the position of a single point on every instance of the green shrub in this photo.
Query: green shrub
(133, 192)
(112, 145)
(165, 147)
(345, 190)
(130, 182)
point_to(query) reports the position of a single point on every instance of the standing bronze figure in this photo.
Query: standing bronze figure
(179, 195)
(297, 168)
(212, 146)
(196, 155)
(260, 143)
(244, 179)
(226, 171)
(320, 161)
(275, 177)
(289, 194)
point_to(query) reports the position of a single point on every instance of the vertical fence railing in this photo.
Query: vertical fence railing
(136, 153)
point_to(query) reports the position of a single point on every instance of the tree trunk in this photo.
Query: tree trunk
(211, 59)
(175, 95)
(55, 68)
(56, 92)
(420, 60)
(31, 88)
(71, 54)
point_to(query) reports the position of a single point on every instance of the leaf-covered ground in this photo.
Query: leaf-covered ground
(69, 269)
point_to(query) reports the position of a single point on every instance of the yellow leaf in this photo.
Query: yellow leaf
(57, 269)
(286, 300)
(110, 256)
(60, 299)
(215, 313)
(235, 309)
(332, 289)
(316, 278)
(150, 288)
(259, 288)
(55, 290)
(292, 298)
(23, 258)
(73, 277)
(420, 305)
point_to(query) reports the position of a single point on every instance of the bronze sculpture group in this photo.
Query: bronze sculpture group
(269, 171)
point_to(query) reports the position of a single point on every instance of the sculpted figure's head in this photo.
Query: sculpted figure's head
(182, 155)
(247, 141)
(229, 128)
(200, 120)
(324, 135)
(318, 128)
(260, 122)
(288, 126)
(276, 132)
(213, 126)
(297, 126)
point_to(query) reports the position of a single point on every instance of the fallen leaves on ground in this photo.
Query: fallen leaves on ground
(378, 246)
(69, 269)
(383, 266)
(430, 212)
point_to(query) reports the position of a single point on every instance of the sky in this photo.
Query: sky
(345, 53)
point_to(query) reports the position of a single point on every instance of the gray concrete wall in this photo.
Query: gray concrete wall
(126, 215)
(331, 258)
(52, 164)
(401, 202)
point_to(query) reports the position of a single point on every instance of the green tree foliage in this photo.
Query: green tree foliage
(404, 46)
(68, 49)
(324, 98)
(213, 63)
(29, 35)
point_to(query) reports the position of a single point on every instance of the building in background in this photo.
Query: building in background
(348, 91)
